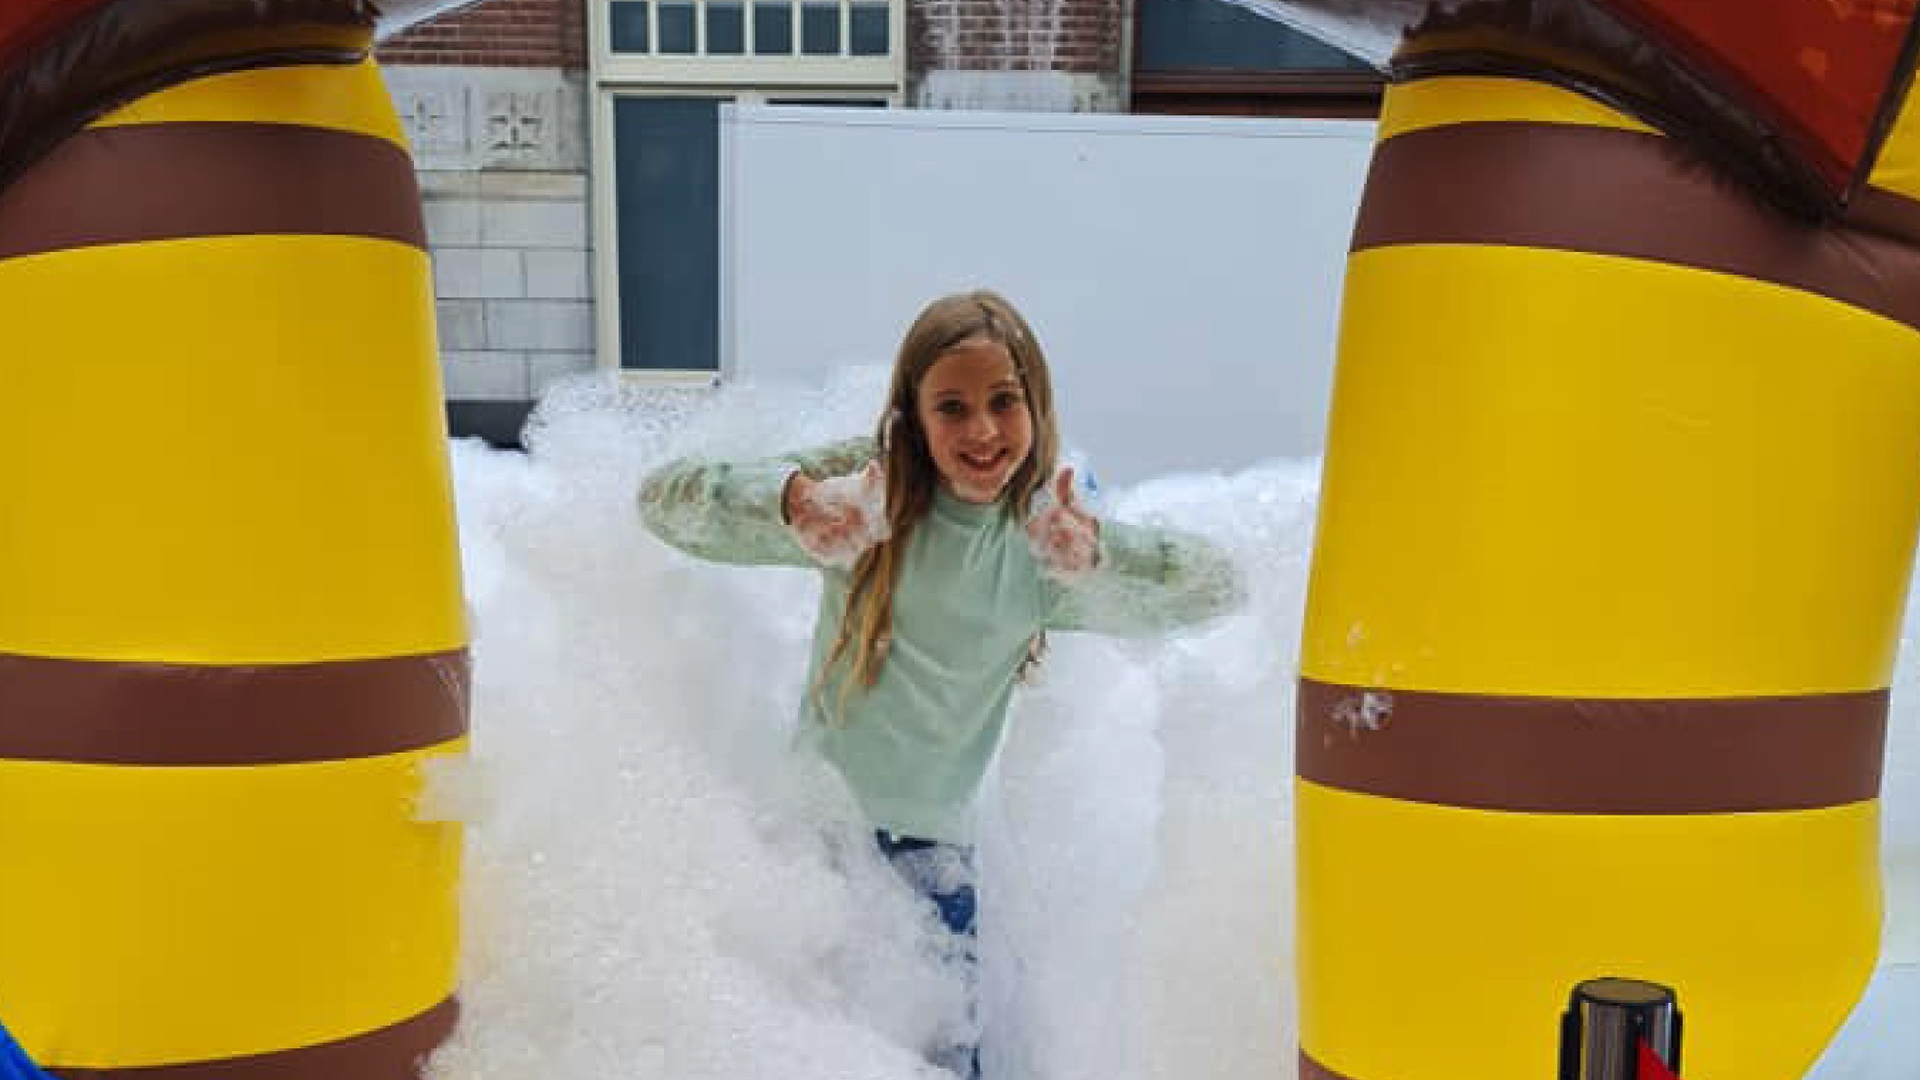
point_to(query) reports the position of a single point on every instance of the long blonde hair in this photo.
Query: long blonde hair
(866, 626)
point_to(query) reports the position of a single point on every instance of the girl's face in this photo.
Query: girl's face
(974, 410)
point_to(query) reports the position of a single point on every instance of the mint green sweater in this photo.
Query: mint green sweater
(969, 603)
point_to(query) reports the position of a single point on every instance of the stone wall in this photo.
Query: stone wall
(502, 160)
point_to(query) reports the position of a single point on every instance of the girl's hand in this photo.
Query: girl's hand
(838, 519)
(1065, 538)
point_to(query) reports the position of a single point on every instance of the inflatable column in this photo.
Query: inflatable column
(231, 628)
(1618, 516)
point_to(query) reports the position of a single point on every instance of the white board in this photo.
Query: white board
(1183, 274)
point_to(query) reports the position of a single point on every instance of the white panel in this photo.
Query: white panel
(1183, 273)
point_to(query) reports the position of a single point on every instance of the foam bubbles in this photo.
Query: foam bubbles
(658, 886)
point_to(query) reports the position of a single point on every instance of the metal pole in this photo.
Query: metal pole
(1605, 1022)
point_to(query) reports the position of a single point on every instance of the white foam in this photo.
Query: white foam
(658, 888)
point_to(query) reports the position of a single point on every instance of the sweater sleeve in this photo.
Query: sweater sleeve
(1149, 581)
(730, 512)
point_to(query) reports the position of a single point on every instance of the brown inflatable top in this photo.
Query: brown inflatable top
(1796, 98)
(65, 62)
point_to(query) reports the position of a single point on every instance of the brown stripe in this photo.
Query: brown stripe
(169, 714)
(126, 184)
(1593, 756)
(1607, 55)
(1885, 211)
(1614, 192)
(1313, 1070)
(391, 1053)
(124, 49)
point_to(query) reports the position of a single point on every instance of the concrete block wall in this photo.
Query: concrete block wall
(494, 100)
(511, 278)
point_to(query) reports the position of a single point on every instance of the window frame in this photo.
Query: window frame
(747, 68)
(1324, 93)
(731, 78)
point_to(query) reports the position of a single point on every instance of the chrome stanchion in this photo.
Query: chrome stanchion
(1608, 1019)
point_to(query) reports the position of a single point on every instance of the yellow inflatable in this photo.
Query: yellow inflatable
(1617, 521)
(1616, 524)
(231, 627)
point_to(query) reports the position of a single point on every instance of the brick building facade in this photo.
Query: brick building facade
(494, 100)
(498, 33)
(525, 115)
(1071, 37)
(1045, 54)
(497, 98)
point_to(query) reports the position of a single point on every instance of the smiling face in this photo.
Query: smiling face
(979, 428)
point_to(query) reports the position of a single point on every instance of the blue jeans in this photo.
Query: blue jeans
(943, 873)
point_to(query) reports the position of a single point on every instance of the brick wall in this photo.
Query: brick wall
(1079, 36)
(498, 33)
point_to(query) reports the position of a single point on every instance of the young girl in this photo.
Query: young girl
(948, 548)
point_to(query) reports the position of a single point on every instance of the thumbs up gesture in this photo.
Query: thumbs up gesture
(1064, 537)
(836, 520)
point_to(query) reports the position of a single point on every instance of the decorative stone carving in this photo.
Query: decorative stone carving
(520, 124)
(465, 118)
(435, 119)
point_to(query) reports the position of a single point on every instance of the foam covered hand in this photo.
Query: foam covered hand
(836, 520)
(1065, 538)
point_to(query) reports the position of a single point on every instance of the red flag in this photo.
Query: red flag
(1651, 1067)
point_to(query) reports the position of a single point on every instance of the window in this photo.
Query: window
(667, 232)
(1214, 57)
(750, 43)
(662, 69)
(846, 28)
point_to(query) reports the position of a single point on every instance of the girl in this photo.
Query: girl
(948, 548)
